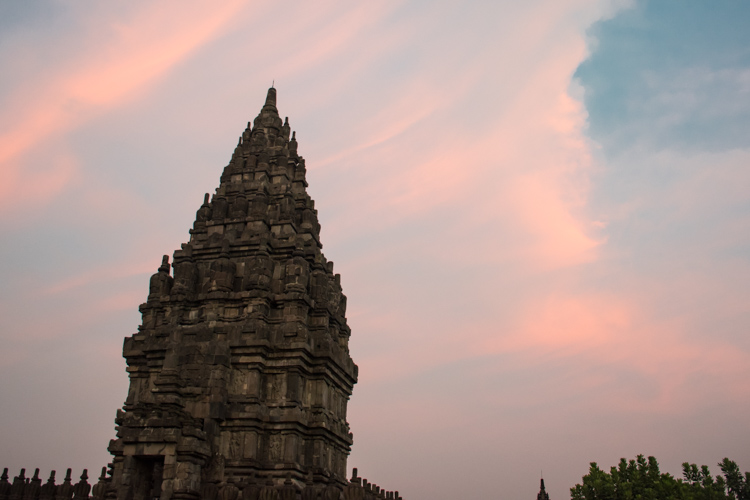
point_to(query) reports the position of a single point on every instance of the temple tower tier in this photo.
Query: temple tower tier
(240, 373)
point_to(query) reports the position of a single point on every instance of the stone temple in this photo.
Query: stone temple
(240, 372)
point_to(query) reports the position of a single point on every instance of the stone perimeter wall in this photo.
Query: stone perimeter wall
(31, 488)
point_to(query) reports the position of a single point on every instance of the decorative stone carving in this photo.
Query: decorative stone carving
(228, 491)
(218, 208)
(542, 495)
(222, 270)
(268, 492)
(18, 486)
(31, 492)
(82, 488)
(99, 490)
(238, 210)
(204, 212)
(285, 129)
(297, 274)
(185, 272)
(293, 145)
(332, 493)
(161, 282)
(288, 491)
(47, 491)
(257, 139)
(4, 485)
(250, 488)
(259, 272)
(65, 490)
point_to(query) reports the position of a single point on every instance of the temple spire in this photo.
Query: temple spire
(271, 97)
(542, 495)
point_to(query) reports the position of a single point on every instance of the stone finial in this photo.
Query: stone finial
(285, 128)
(33, 485)
(310, 492)
(271, 97)
(542, 495)
(99, 490)
(18, 486)
(65, 490)
(293, 145)
(204, 212)
(288, 490)
(161, 282)
(82, 488)
(354, 475)
(268, 492)
(250, 489)
(47, 491)
(187, 250)
(4, 485)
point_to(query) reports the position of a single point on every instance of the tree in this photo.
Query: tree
(641, 479)
(698, 483)
(738, 485)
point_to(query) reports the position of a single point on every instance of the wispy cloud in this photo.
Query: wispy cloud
(119, 63)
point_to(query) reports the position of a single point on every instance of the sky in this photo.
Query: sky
(540, 211)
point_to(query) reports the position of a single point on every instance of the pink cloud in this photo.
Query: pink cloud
(127, 59)
(326, 30)
(527, 171)
(103, 274)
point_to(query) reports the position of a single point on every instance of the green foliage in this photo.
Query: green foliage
(739, 485)
(641, 479)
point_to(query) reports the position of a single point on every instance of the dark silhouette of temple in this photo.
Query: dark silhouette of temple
(240, 372)
(542, 495)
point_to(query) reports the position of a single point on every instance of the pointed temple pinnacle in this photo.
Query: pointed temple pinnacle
(271, 97)
(542, 495)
